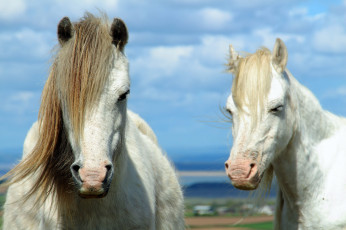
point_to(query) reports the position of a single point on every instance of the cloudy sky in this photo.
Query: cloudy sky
(177, 51)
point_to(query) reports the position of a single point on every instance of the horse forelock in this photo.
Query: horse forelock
(83, 65)
(252, 83)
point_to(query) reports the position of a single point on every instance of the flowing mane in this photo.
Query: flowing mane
(252, 81)
(74, 84)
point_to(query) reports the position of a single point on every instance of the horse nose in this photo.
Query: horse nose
(242, 170)
(92, 181)
(243, 173)
(227, 163)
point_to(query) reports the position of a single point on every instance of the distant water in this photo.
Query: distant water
(219, 190)
(197, 172)
(200, 166)
(188, 180)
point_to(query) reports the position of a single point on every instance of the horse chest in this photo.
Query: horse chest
(120, 220)
(110, 215)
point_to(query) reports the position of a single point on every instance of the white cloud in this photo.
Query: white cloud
(173, 97)
(301, 11)
(160, 62)
(11, 9)
(20, 102)
(269, 37)
(106, 4)
(335, 93)
(26, 43)
(215, 19)
(77, 8)
(194, 65)
(214, 48)
(252, 4)
(330, 39)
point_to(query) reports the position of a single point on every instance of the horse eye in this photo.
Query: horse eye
(276, 109)
(123, 96)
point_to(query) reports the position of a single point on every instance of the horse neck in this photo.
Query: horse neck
(297, 167)
(312, 122)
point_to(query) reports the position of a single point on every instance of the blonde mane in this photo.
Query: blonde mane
(251, 83)
(82, 67)
(77, 76)
(250, 88)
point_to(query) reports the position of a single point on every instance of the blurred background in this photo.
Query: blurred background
(177, 52)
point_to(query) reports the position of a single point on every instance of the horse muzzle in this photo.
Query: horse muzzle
(92, 182)
(243, 173)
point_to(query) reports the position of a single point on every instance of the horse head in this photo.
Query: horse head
(92, 80)
(259, 104)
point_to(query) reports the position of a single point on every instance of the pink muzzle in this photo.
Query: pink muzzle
(243, 173)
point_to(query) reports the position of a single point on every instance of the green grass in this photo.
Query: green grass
(255, 226)
(2, 201)
(258, 226)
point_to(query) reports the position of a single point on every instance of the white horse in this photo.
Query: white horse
(88, 162)
(279, 126)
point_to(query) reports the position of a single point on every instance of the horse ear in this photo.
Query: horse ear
(233, 60)
(119, 33)
(65, 30)
(279, 55)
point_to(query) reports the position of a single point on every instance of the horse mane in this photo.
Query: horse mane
(78, 73)
(251, 83)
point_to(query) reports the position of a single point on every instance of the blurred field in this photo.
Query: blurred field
(229, 214)
(2, 201)
(240, 220)
(230, 223)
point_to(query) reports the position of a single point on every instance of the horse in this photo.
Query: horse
(89, 162)
(279, 128)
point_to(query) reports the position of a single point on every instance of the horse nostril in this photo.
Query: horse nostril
(109, 173)
(252, 165)
(75, 168)
(109, 167)
(75, 171)
(226, 165)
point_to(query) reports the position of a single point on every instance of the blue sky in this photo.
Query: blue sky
(177, 51)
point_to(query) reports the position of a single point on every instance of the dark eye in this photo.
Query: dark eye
(123, 96)
(227, 113)
(276, 109)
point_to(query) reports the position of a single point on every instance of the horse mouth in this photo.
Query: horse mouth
(249, 182)
(92, 195)
(91, 192)
(93, 188)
